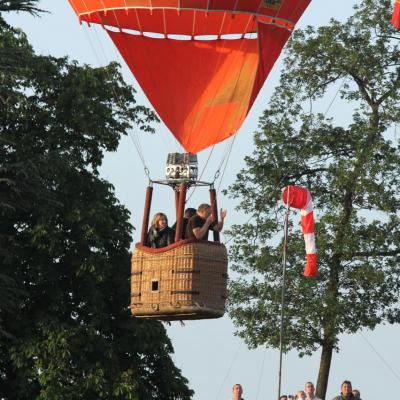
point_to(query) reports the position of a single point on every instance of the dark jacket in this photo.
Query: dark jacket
(160, 238)
(184, 225)
(341, 397)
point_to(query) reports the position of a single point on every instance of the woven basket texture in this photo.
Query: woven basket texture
(187, 281)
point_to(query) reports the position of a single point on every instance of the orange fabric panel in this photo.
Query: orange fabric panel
(396, 15)
(286, 9)
(189, 17)
(271, 40)
(171, 22)
(200, 89)
(261, 6)
(290, 10)
(199, 4)
(220, 4)
(165, 3)
(183, 23)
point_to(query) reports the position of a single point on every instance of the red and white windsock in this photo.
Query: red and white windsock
(396, 15)
(300, 198)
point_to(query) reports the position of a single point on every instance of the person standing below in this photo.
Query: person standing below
(310, 391)
(160, 234)
(237, 392)
(356, 394)
(300, 395)
(345, 392)
(199, 225)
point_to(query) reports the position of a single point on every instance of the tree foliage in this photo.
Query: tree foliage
(66, 332)
(20, 6)
(351, 164)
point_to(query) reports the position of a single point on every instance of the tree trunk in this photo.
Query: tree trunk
(323, 374)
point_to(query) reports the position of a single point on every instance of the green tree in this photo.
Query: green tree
(20, 6)
(352, 168)
(64, 237)
(8, 289)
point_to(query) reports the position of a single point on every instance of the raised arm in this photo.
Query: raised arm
(220, 224)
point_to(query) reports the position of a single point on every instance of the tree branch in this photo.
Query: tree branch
(20, 6)
(362, 88)
(305, 172)
(376, 253)
(391, 91)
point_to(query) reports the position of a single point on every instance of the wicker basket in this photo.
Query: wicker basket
(186, 280)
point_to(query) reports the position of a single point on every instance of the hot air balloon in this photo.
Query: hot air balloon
(201, 64)
(187, 279)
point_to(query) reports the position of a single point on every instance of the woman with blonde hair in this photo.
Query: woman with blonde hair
(160, 234)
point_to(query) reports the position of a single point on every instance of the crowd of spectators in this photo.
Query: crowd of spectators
(346, 393)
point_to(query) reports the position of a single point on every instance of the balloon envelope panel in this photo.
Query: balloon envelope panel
(189, 16)
(194, 59)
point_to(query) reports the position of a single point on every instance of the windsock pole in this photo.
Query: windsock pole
(282, 328)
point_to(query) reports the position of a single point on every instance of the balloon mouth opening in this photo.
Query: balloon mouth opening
(183, 37)
(162, 22)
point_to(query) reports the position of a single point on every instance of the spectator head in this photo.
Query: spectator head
(159, 220)
(283, 397)
(346, 388)
(190, 212)
(356, 393)
(237, 391)
(300, 395)
(309, 389)
(204, 210)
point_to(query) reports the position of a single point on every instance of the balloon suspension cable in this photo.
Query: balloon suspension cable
(227, 161)
(133, 133)
(281, 333)
(225, 156)
(201, 175)
(147, 172)
(216, 176)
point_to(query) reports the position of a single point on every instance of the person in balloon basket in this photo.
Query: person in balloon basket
(345, 392)
(160, 234)
(189, 213)
(237, 392)
(199, 225)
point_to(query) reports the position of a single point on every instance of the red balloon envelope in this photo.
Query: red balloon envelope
(201, 63)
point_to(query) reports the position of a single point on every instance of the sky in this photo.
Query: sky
(208, 352)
